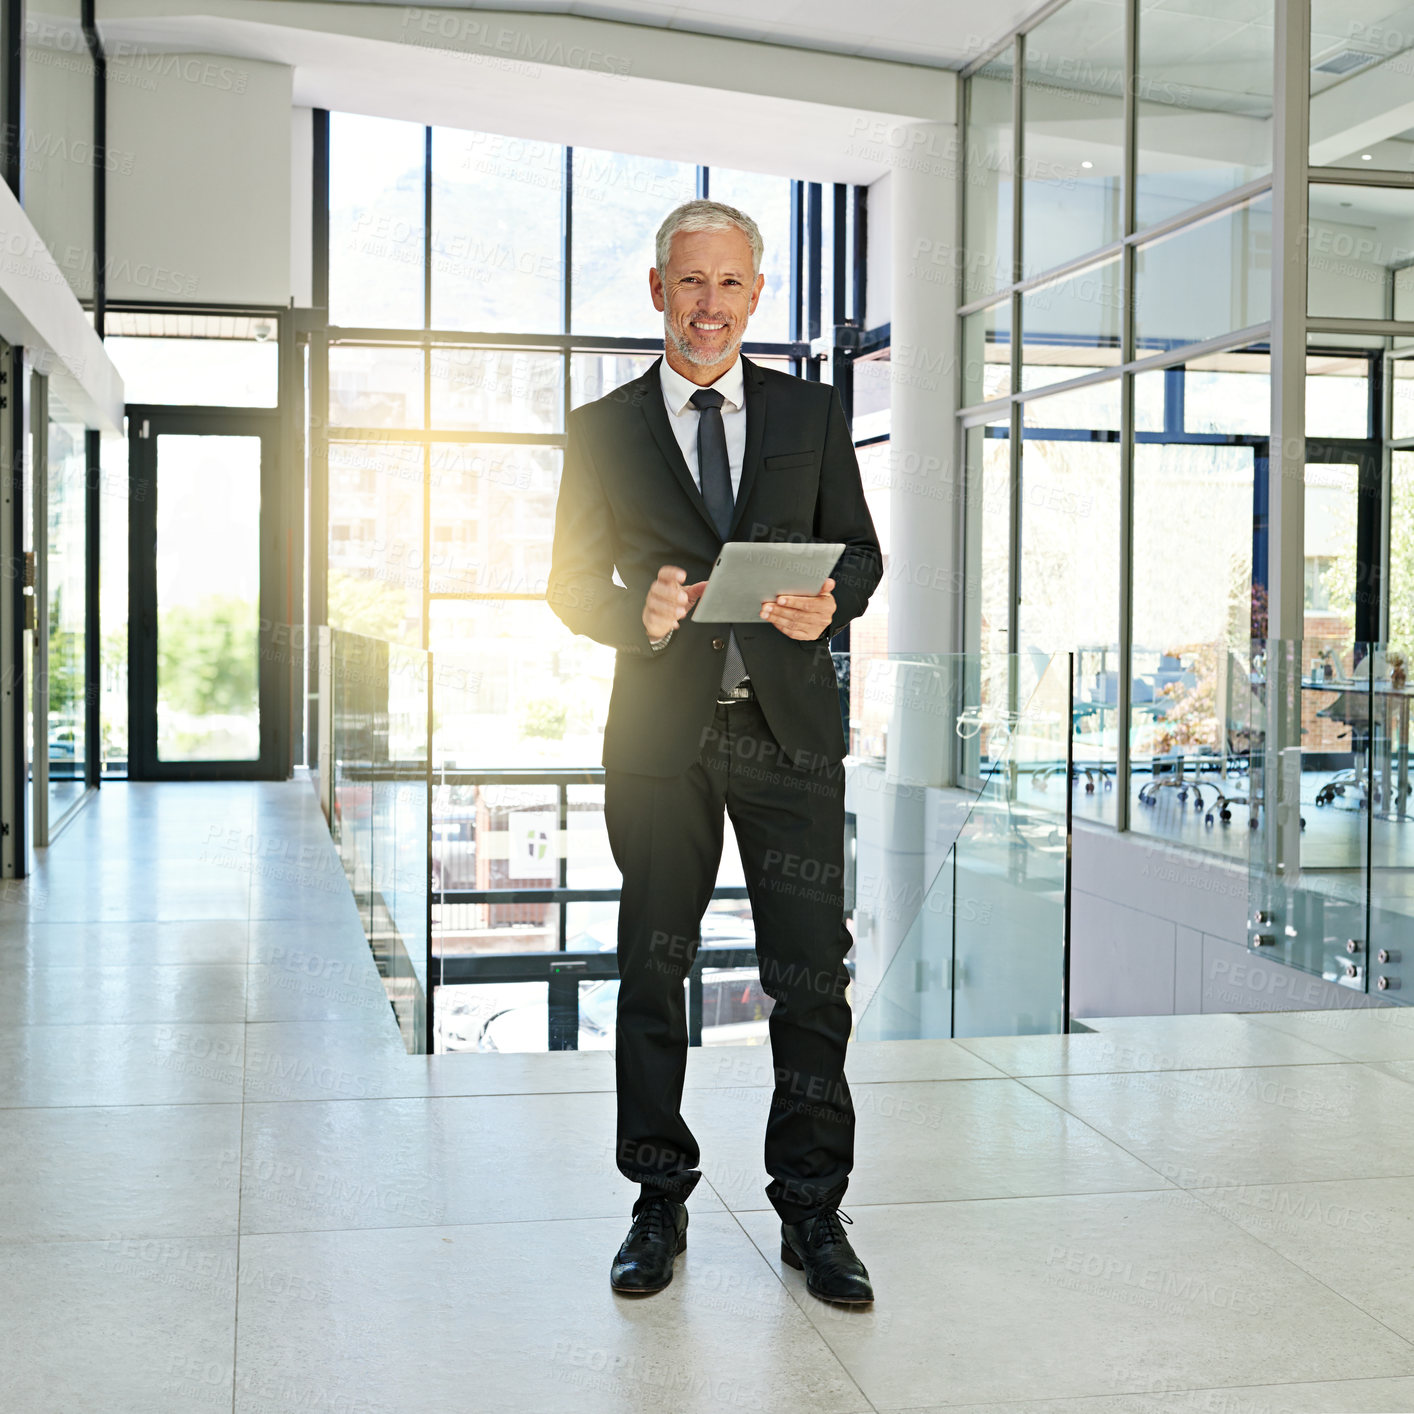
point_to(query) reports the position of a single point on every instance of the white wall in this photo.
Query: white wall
(302, 206)
(58, 162)
(878, 297)
(1160, 931)
(204, 211)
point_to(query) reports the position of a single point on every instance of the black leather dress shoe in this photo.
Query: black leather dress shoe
(818, 1247)
(645, 1261)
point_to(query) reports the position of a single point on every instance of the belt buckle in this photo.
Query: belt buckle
(740, 693)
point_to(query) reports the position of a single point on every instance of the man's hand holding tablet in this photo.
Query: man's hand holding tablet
(786, 584)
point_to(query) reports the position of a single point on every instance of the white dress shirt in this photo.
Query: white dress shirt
(682, 416)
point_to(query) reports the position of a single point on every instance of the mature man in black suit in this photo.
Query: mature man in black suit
(706, 447)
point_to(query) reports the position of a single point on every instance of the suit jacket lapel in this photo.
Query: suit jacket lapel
(651, 403)
(755, 386)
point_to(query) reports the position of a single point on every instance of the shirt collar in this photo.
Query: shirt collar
(677, 391)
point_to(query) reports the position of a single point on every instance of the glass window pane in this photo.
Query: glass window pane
(522, 687)
(1337, 396)
(375, 387)
(1363, 48)
(491, 1016)
(1204, 280)
(873, 397)
(1404, 293)
(1230, 393)
(375, 539)
(1204, 102)
(986, 356)
(1071, 326)
(1358, 236)
(1151, 408)
(619, 203)
(988, 183)
(65, 579)
(1069, 592)
(1095, 407)
(1402, 390)
(208, 605)
(1401, 550)
(767, 201)
(497, 238)
(1192, 527)
(1073, 111)
(1227, 393)
(987, 597)
(209, 372)
(376, 221)
(497, 390)
(594, 374)
(113, 604)
(493, 517)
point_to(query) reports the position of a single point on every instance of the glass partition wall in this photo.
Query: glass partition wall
(1133, 340)
(1239, 612)
(1116, 374)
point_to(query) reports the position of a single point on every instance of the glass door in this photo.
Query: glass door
(205, 584)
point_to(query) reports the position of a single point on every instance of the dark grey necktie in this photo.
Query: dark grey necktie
(714, 474)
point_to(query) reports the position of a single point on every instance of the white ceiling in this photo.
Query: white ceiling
(945, 34)
(706, 99)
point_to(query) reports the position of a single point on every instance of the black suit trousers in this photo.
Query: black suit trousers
(666, 836)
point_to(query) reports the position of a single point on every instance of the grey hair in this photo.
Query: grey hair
(707, 216)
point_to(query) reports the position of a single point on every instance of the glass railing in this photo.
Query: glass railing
(374, 789)
(1331, 858)
(962, 818)
(490, 897)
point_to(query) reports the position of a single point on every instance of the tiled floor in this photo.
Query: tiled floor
(224, 1186)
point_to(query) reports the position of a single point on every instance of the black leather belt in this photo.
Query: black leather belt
(742, 692)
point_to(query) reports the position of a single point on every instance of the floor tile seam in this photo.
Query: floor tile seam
(17, 1244)
(1099, 1134)
(377, 1099)
(1393, 1075)
(1260, 1018)
(1021, 1405)
(240, 1191)
(1340, 1296)
(619, 1215)
(101, 1025)
(799, 1303)
(141, 1105)
(125, 966)
(852, 1205)
(1170, 1069)
(133, 1105)
(972, 1051)
(148, 1021)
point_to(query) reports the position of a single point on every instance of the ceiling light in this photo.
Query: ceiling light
(1367, 156)
(1087, 164)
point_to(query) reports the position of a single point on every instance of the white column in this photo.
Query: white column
(904, 974)
(1286, 484)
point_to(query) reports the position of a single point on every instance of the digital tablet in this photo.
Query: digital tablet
(749, 573)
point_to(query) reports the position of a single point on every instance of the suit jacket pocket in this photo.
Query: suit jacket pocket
(786, 460)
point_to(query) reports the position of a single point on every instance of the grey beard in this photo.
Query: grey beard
(688, 354)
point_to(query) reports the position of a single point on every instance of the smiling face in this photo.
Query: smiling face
(706, 295)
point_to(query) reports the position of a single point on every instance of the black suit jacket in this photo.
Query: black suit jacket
(629, 503)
